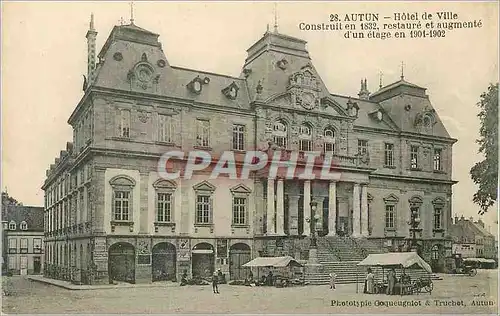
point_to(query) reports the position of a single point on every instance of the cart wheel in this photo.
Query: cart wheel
(472, 272)
(428, 288)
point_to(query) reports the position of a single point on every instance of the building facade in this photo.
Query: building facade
(23, 234)
(110, 216)
(472, 240)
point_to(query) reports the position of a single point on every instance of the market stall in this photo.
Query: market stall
(398, 272)
(280, 270)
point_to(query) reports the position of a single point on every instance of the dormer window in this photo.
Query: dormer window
(196, 85)
(12, 225)
(23, 226)
(231, 92)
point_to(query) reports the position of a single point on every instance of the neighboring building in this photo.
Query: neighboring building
(109, 215)
(23, 239)
(471, 239)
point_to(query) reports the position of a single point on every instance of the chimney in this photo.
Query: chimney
(91, 37)
(456, 219)
(364, 94)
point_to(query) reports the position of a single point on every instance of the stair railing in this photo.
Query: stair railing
(359, 248)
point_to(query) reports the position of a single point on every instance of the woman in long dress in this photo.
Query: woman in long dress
(333, 277)
(370, 282)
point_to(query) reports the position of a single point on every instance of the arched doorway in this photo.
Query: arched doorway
(163, 262)
(239, 254)
(203, 260)
(121, 266)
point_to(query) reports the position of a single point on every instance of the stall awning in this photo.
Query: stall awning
(276, 262)
(396, 259)
(482, 260)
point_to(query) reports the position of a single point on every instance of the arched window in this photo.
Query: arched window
(23, 226)
(12, 225)
(329, 140)
(122, 206)
(280, 133)
(305, 138)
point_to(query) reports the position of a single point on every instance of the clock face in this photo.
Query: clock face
(144, 74)
(308, 101)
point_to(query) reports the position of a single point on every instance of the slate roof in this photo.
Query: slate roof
(32, 215)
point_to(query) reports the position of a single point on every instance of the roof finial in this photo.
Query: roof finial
(92, 21)
(131, 12)
(402, 71)
(275, 18)
(380, 80)
(267, 27)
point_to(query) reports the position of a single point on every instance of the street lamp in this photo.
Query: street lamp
(414, 223)
(312, 223)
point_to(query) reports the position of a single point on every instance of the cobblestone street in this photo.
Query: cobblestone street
(33, 297)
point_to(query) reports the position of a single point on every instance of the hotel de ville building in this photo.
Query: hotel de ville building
(110, 216)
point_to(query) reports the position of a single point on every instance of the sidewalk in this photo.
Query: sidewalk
(70, 286)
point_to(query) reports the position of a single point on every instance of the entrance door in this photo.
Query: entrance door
(203, 260)
(164, 261)
(239, 254)
(37, 265)
(121, 264)
(24, 265)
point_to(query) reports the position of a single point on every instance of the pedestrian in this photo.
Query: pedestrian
(391, 280)
(215, 282)
(333, 278)
(370, 278)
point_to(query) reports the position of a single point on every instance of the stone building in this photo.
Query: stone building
(110, 216)
(472, 239)
(23, 239)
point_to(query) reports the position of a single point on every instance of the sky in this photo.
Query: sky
(44, 59)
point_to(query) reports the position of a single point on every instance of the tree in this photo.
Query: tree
(485, 173)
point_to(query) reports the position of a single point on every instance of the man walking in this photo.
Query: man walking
(215, 282)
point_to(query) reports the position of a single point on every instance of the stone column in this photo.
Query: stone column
(332, 209)
(280, 208)
(319, 211)
(270, 207)
(293, 215)
(364, 210)
(307, 207)
(356, 211)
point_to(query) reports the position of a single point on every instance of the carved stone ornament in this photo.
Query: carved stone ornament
(143, 116)
(303, 88)
(307, 99)
(143, 247)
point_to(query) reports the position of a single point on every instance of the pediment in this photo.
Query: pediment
(241, 188)
(204, 186)
(391, 199)
(164, 184)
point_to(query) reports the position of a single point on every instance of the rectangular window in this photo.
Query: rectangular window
(121, 209)
(389, 216)
(37, 245)
(280, 141)
(329, 147)
(239, 211)
(12, 245)
(414, 157)
(362, 147)
(12, 263)
(203, 133)
(437, 159)
(305, 145)
(24, 245)
(389, 155)
(238, 137)
(124, 123)
(164, 210)
(203, 209)
(438, 218)
(165, 128)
